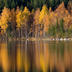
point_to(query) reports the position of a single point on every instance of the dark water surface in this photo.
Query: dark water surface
(36, 56)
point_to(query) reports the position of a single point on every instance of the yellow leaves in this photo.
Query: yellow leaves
(45, 17)
(43, 12)
(18, 19)
(5, 17)
(26, 10)
(22, 17)
(4, 26)
(25, 15)
(56, 14)
(51, 14)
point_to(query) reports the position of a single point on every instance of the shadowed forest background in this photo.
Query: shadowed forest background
(31, 4)
(36, 18)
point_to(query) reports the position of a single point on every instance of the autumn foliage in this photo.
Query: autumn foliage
(37, 22)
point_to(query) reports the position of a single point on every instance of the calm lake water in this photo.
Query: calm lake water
(36, 56)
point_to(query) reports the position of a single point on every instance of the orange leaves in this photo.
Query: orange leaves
(46, 23)
(36, 16)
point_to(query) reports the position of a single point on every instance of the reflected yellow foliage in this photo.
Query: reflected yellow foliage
(46, 55)
(19, 59)
(42, 63)
(4, 58)
(26, 64)
(42, 57)
(5, 17)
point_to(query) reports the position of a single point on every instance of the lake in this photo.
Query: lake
(36, 56)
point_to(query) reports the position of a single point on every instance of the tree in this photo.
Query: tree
(25, 18)
(13, 4)
(5, 18)
(22, 20)
(52, 4)
(11, 29)
(1, 5)
(43, 13)
(18, 18)
(6, 3)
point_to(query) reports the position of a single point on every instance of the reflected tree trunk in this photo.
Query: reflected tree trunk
(26, 55)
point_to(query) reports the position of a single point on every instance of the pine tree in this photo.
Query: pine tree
(1, 5)
(13, 4)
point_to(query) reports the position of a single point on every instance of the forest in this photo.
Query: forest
(35, 18)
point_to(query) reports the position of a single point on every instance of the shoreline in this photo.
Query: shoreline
(37, 39)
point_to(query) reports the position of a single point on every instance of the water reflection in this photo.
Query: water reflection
(35, 56)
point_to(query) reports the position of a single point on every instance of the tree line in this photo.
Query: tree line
(36, 23)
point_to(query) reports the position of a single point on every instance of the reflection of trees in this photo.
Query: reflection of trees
(36, 56)
(5, 58)
(42, 56)
(19, 60)
(26, 60)
(12, 47)
(54, 56)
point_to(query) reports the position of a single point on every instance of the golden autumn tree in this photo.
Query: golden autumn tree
(22, 19)
(18, 17)
(18, 20)
(62, 13)
(5, 17)
(11, 24)
(43, 13)
(46, 20)
(25, 16)
(25, 19)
